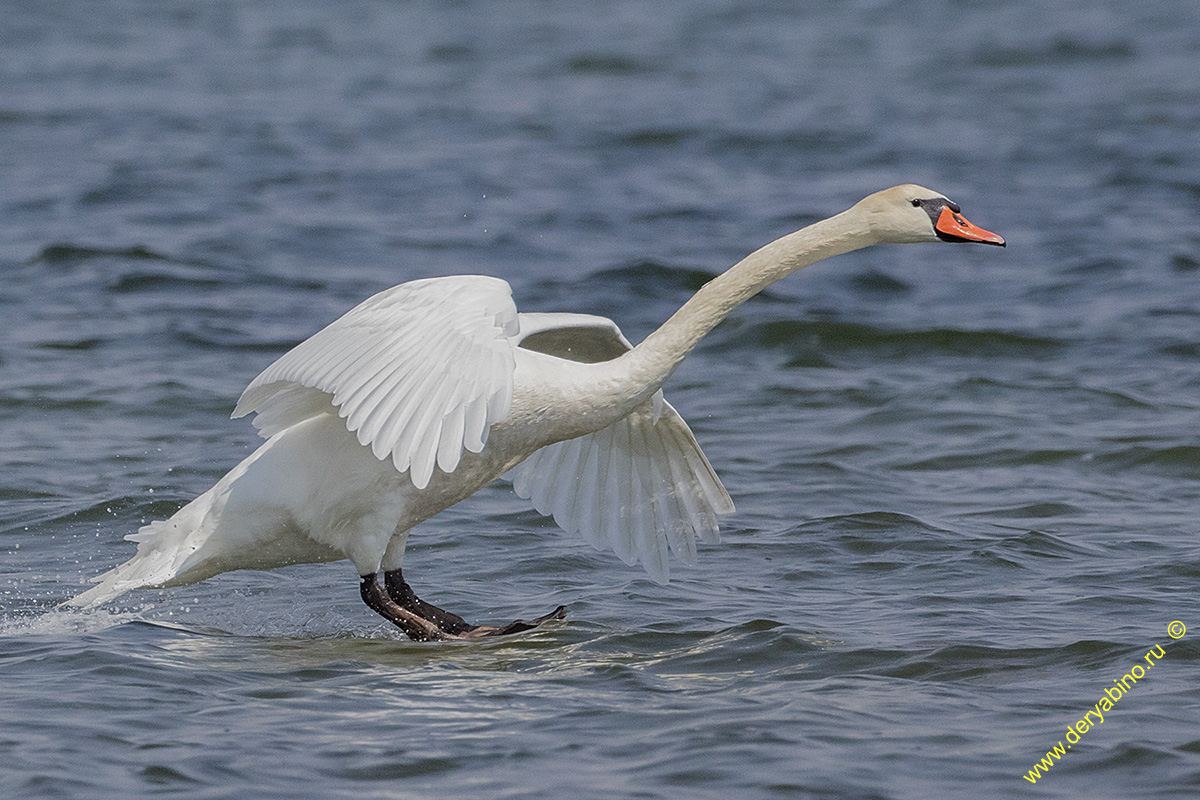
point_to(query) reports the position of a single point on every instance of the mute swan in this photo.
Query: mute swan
(427, 391)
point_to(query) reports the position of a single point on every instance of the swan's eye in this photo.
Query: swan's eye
(916, 203)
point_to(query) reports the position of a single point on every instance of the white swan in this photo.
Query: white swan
(429, 390)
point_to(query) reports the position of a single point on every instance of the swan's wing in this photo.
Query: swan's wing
(420, 372)
(637, 487)
(575, 337)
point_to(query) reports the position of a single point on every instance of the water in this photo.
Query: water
(967, 479)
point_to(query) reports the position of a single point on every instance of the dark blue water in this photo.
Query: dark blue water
(967, 479)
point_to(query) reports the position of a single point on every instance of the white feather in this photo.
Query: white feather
(399, 363)
(636, 488)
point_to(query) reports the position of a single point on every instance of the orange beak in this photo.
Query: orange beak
(955, 228)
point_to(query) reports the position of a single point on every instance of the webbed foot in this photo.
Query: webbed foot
(396, 602)
(516, 626)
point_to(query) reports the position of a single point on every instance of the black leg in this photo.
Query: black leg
(414, 626)
(451, 626)
(406, 598)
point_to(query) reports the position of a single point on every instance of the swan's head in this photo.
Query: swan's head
(911, 213)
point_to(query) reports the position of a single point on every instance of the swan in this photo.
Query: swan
(427, 391)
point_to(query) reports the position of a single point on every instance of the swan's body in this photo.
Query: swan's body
(428, 391)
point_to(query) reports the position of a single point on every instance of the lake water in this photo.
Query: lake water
(967, 479)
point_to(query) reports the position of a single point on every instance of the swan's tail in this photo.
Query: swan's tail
(243, 522)
(165, 548)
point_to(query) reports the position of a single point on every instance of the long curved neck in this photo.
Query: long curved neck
(653, 361)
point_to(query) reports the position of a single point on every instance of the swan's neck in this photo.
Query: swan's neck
(653, 361)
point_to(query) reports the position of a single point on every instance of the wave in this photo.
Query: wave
(803, 336)
(67, 254)
(30, 508)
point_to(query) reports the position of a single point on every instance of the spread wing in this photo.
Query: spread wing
(639, 487)
(420, 372)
